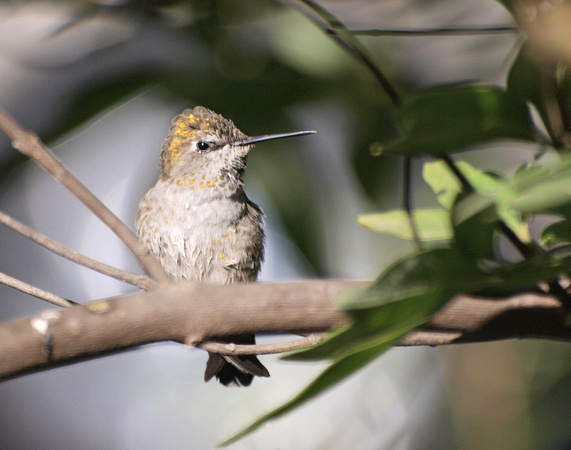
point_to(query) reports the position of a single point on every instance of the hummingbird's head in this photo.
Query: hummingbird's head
(202, 143)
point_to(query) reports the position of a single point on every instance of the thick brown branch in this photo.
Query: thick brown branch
(183, 312)
(30, 145)
(193, 313)
(141, 281)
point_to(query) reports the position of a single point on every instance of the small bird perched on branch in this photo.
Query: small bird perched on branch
(198, 221)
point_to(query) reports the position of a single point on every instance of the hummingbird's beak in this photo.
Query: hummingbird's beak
(269, 137)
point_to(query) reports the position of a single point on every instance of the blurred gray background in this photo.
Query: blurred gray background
(102, 94)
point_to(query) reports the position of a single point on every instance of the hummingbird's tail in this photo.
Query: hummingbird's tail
(235, 370)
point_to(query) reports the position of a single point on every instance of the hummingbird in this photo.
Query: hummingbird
(199, 223)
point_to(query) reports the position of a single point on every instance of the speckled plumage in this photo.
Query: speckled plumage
(218, 239)
(198, 221)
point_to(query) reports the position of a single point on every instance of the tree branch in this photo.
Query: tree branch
(339, 32)
(193, 313)
(141, 281)
(442, 31)
(262, 349)
(30, 145)
(34, 291)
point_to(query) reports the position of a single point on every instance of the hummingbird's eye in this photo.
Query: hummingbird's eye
(203, 146)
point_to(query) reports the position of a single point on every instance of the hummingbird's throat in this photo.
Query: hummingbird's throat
(224, 180)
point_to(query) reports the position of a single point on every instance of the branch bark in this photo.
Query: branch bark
(192, 313)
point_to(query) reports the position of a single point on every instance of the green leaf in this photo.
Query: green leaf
(453, 118)
(529, 176)
(544, 196)
(431, 224)
(544, 188)
(475, 220)
(526, 83)
(442, 181)
(499, 194)
(556, 233)
(511, 279)
(404, 297)
(376, 326)
(409, 292)
(417, 274)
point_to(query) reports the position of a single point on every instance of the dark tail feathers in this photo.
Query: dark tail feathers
(235, 370)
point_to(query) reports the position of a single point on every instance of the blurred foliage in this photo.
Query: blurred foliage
(431, 224)
(479, 208)
(243, 60)
(453, 118)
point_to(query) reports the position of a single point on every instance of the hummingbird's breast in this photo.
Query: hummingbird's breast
(202, 236)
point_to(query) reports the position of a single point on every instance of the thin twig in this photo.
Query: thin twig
(36, 292)
(529, 251)
(262, 349)
(407, 201)
(459, 175)
(443, 31)
(30, 145)
(526, 251)
(343, 37)
(141, 281)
